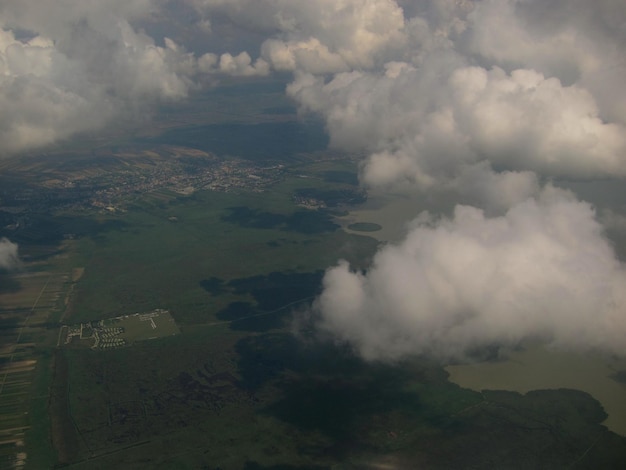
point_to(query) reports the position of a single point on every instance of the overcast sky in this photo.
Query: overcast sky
(486, 100)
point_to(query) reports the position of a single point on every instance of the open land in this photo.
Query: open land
(234, 264)
(120, 331)
(364, 227)
(29, 307)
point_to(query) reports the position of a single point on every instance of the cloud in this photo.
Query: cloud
(485, 100)
(421, 127)
(613, 220)
(73, 66)
(321, 36)
(36, 107)
(480, 101)
(9, 258)
(240, 65)
(457, 87)
(543, 270)
(78, 66)
(573, 40)
(93, 45)
(524, 120)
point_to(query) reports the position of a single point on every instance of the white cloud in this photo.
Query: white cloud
(574, 40)
(425, 128)
(37, 106)
(526, 121)
(321, 36)
(91, 55)
(9, 258)
(84, 65)
(79, 64)
(480, 99)
(542, 271)
(240, 65)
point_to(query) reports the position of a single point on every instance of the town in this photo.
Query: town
(109, 182)
(120, 331)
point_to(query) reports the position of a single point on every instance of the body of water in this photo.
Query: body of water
(392, 212)
(535, 368)
(539, 367)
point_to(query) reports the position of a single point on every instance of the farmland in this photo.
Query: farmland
(235, 375)
(26, 311)
(227, 266)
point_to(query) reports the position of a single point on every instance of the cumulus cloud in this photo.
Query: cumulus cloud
(445, 97)
(613, 220)
(37, 107)
(573, 40)
(9, 258)
(72, 66)
(425, 128)
(321, 36)
(476, 111)
(240, 65)
(525, 120)
(79, 65)
(542, 271)
(82, 56)
(482, 100)
(94, 45)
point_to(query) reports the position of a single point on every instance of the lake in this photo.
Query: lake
(534, 368)
(539, 367)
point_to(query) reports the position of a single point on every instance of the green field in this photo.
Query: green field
(35, 297)
(225, 269)
(364, 227)
(148, 261)
(141, 327)
(235, 375)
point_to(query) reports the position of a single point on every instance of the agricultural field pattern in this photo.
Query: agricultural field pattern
(162, 315)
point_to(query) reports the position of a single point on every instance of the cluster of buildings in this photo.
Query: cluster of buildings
(182, 178)
(107, 338)
(104, 187)
(103, 337)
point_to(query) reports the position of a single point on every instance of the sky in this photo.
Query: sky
(488, 100)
